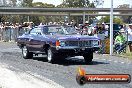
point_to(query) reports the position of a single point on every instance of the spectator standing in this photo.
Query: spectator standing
(86, 29)
(3, 32)
(119, 42)
(124, 27)
(14, 31)
(0, 31)
(106, 31)
(86, 24)
(124, 31)
(17, 29)
(130, 36)
(30, 26)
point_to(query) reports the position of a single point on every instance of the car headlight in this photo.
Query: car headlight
(95, 43)
(62, 43)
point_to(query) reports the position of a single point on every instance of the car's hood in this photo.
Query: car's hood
(72, 37)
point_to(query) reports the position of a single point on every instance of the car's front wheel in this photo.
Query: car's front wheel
(88, 57)
(51, 57)
(26, 54)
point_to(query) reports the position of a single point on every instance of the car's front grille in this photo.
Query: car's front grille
(78, 43)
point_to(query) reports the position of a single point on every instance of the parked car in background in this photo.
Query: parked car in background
(57, 42)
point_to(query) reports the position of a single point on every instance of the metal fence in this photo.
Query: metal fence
(119, 47)
(10, 34)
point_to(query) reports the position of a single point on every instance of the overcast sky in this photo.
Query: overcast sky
(106, 2)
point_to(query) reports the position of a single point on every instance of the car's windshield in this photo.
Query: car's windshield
(71, 30)
(59, 30)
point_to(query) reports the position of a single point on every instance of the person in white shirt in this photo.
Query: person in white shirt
(106, 31)
(130, 36)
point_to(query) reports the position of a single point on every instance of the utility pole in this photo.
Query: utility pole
(28, 19)
(84, 17)
(111, 28)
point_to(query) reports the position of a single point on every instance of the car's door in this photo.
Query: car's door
(35, 43)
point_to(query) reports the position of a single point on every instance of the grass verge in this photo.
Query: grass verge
(125, 55)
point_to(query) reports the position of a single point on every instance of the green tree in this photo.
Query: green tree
(5, 18)
(11, 3)
(77, 3)
(98, 3)
(115, 20)
(125, 19)
(42, 5)
(44, 19)
(105, 19)
(14, 3)
(26, 3)
(48, 5)
(38, 4)
(118, 20)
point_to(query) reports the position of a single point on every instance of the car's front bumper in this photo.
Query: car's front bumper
(74, 50)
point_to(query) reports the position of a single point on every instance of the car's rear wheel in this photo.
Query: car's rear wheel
(26, 54)
(88, 57)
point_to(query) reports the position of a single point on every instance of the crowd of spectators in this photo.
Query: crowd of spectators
(10, 31)
(122, 35)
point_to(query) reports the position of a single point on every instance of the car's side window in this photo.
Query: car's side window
(39, 32)
(45, 30)
(35, 31)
